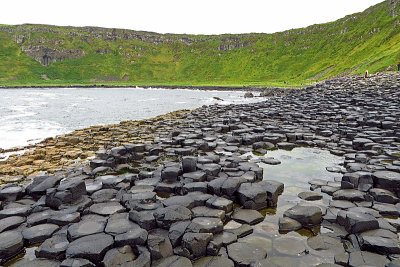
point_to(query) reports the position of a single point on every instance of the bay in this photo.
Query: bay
(30, 115)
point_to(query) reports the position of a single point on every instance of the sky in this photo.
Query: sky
(182, 16)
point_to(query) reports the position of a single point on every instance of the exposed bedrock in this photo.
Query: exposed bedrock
(195, 194)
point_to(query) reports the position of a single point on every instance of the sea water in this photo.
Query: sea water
(28, 116)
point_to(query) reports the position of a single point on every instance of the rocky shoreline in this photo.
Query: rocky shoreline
(182, 190)
(266, 90)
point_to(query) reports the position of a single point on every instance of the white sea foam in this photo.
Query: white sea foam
(30, 115)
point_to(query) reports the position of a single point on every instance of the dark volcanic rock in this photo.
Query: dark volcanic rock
(11, 243)
(159, 244)
(349, 194)
(10, 223)
(91, 225)
(41, 184)
(310, 196)
(18, 211)
(381, 241)
(187, 182)
(64, 218)
(173, 261)
(133, 237)
(213, 262)
(365, 258)
(53, 248)
(11, 193)
(165, 217)
(306, 215)
(91, 247)
(71, 262)
(144, 219)
(119, 223)
(196, 243)
(287, 224)
(355, 222)
(121, 256)
(247, 216)
(205, 225)
(252, 196)
(387, 180)
(39, 233)
(107, 208)
(66, 193)
(220, 203)
(244, 253)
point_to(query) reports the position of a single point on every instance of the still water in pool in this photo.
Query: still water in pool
(297, 168)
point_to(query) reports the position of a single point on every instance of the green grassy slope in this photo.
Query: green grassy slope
(368, 40)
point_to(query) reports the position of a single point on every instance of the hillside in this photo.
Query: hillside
(53, 55)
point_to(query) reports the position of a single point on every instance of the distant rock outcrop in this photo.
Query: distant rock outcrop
(45, 55)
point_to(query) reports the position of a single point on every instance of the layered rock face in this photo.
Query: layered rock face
(193, 195)
(45, 55)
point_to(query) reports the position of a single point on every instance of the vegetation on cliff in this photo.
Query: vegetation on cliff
(52, 55)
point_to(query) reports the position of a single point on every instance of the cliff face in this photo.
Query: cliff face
(46, 50)
(394, 8)
(45, 55)
(366, 40)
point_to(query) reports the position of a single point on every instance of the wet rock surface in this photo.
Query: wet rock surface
(193, 192)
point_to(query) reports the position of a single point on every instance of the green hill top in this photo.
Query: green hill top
(53, 55)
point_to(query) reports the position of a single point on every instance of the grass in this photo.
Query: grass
(367, 40)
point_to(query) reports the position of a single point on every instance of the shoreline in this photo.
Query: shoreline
(188, 180)
(374, 78)
(30, 145)
(74, 148)
(172, 87)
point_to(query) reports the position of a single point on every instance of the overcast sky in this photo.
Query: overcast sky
(182, 16)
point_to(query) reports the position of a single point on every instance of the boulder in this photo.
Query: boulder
(120, 256)
(220, 203)
(11, 243)
(355, 222)
(107, 208)
(387, 180)
(243, 253)
(39, 233)
(91, 225)
(144, 219)
(165, 217)
(349, 195)
(306, 215)
(10, 223)
(91, 247)
(196, 243)
(133, 237)
(119, 223)
(189, 164)
(205, 225)
(247, 216)
(173, 261)
(287, 224)
(159, 244)
(11, 193)
(252, 196)
(53, 248)
(66, 193)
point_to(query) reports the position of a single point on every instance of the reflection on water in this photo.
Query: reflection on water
(298, 167)
(25, 257)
